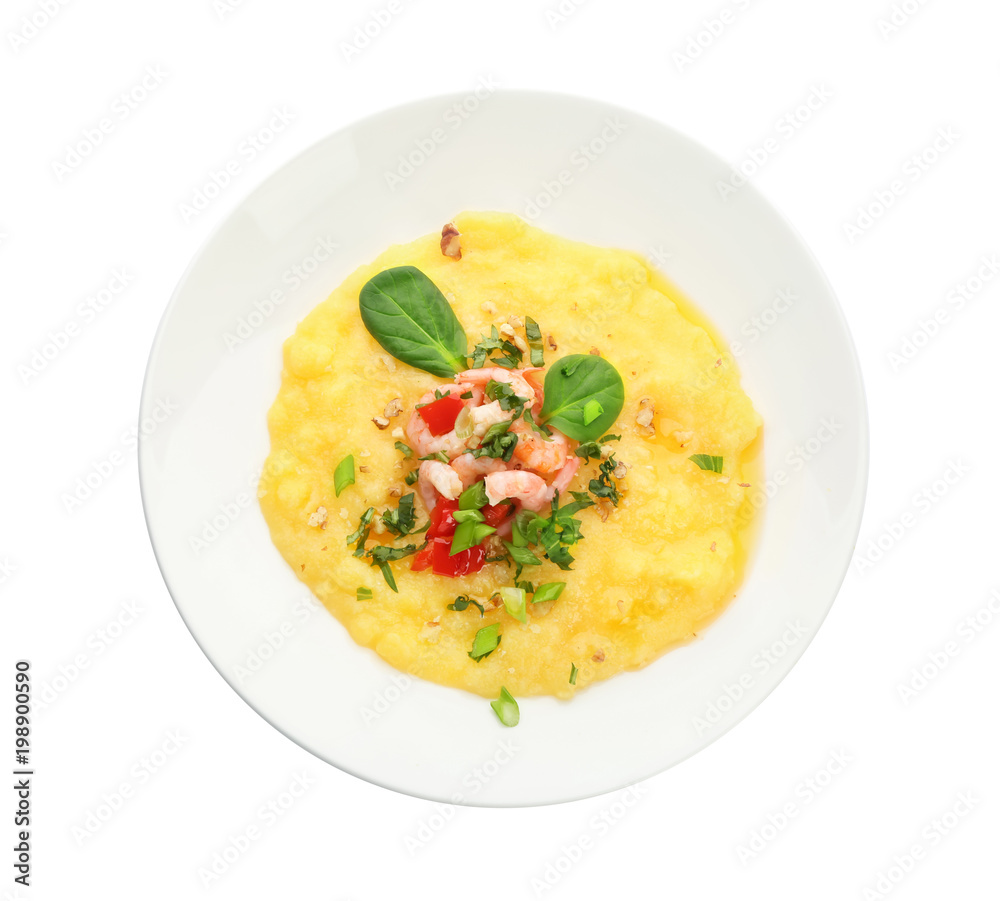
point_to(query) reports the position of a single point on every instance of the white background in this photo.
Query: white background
(67, 574)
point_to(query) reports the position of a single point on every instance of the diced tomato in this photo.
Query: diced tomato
(442, 520)
(495, 514)
(437, 555)
(440, 414)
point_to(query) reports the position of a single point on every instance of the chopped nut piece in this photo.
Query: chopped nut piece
(507, 330)
(364, 469)
(594, 352)
(520, 344)
(489, 308)
(318, 518)
(682, 438)
(645, 414)
(514, 322)
(621, 607)
(603, 510)
(432, 623)
(712, 548)
(552, 343)
(395, 492)
(394, 407)
(743, 484)
(398, 433)
(599, 656)
(381, 422)
(451, 243)
(718, 362)
(606, 451)
(620, 471)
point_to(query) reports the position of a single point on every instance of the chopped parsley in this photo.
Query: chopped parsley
(462, 602)
(401, 520)
(592, 449)
(509, 355)
(411, 477)
(604, 485)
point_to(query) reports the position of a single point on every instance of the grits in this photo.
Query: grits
(665, 562)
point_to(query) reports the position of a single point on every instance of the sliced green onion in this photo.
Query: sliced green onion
(515, 600)
(572, 673)
(521, 555)
(707, 462)
(522, 521)
(534, 335)
(343, 475)
(486, 642)
(548, 592)
(505, 707)
(364, 594)
(464, 426)
(467, 516)
(404, 449)
(469, 534)
(473, 497)
(591, 410)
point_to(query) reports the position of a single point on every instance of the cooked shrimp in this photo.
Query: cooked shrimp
(516, 378)
(532, 491)
(471, 469)
(486, 415)
(441, 477)
(533, 452)
(419, 435)
(562, 481)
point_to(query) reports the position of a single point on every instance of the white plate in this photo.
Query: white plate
(638, 185)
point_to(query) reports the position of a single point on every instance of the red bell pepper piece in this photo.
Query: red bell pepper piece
(440, 414)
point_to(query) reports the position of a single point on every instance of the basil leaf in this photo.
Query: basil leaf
(506, 709)
(521, 555)
(463, 601)
(343, 475)
(584, 394)
(404, 449)
(534, 335)
(707, 462)
(409, 316)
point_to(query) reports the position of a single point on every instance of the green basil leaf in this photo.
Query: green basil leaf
(409, 316)
(584, 394)
(506, 709)
(522, 555)
(707, 462)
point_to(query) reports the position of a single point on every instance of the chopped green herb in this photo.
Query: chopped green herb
(440, 455)
(527, 586)
(498, 442)
(381, 555)
(572, 673)
(506, 709)
(604, 485)
(591, 410)
(504, 394)
(466, 396)
(515, 602)
(343, 475)
(360, 535)
(469, 534)
(510, 357)
(411, 477)
(467, 516)
(401, 520)
(707, 462)
(521, 555)
(474, 497)
(404, 449)
(534, 335)
(462, 602)
(364, 594)
(486, 642)
(592, 449)
(542, 430)
(548, 592)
